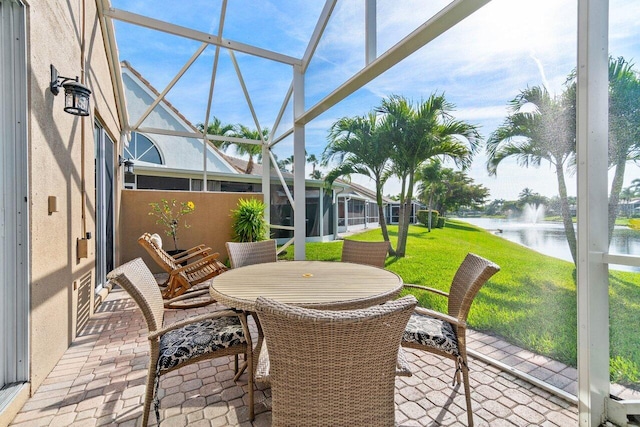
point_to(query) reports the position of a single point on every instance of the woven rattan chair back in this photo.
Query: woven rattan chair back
(369, 253)
(248, 253)
(473, 273)
(333, 368)
(136, 279)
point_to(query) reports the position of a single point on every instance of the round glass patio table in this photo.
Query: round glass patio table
(311, 284)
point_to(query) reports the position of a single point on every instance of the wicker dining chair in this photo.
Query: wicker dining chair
(333, 368)
(216, 334)
(444, 334)
(248, 253)
(369, 253)
(182, 289)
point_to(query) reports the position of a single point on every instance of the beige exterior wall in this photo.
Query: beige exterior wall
(61, 157)
(61, 164)
(210, 222)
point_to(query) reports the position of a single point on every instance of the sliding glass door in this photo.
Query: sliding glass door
(14, 216)
(104, 181)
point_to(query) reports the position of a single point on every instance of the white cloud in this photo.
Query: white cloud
(473, 114)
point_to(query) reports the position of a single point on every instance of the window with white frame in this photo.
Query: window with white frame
(143, 149)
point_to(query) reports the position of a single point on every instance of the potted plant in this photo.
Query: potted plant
(248, 221)
(169, 214)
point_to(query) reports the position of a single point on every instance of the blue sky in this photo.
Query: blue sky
(480, 64)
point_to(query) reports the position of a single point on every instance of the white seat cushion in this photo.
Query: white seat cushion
(156, 240)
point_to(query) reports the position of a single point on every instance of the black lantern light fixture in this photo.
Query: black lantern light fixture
(128, 165)
(76, 95)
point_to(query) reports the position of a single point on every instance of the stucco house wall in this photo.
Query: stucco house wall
(61, 164)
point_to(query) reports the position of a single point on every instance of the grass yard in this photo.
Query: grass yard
(531, 302)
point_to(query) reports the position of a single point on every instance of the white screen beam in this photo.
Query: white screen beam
(592, 142)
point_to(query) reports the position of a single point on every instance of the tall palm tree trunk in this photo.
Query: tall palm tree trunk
(401, 232)
(403, 183)
(403, 227)
(249, 167)
(614, 195)
(383, 223)
(566, 213)
(405, 213)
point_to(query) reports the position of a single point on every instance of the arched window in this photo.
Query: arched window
(142, 148)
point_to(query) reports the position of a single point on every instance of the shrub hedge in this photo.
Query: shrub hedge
(423, 217)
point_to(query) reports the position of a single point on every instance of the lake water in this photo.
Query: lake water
(548, 237)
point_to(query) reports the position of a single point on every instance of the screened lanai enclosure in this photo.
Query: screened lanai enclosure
(290, 69)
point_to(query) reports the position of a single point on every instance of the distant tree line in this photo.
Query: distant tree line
(513, 208)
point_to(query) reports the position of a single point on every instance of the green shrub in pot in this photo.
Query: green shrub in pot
(249, 224)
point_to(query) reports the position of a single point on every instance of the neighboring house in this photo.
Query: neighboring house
(392, 211)
(629, 208)
(357, 207)
(164, 162)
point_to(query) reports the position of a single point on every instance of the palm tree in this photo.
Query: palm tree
(429, 177)
(356, 144)
(288, 162)
(624, 127)
(635, 187)
(526, 194)
(421, 132)
(252, 150)
(316, 174)
(280, 164)
(217, 128)
(311, 158)
(547, 133)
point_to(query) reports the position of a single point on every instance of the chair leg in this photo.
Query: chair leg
(456, 374)
(148, 396)
(235, 364)
(179, 286)
(249, 364)
(467, 393)
(168, 292)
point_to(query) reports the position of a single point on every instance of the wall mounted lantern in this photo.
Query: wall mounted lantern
(128, 165)
(76, 95)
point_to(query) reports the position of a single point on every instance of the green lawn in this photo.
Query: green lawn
(619, 221)
(531, 302)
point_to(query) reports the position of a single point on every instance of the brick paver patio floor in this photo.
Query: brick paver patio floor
(100, 381)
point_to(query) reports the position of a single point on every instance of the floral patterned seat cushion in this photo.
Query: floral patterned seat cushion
(199, 338)
(431, 332)
(179, 345)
